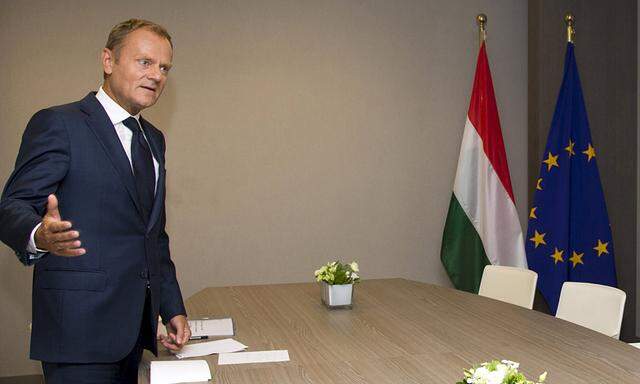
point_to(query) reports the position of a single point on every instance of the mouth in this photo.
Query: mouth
(148, 88)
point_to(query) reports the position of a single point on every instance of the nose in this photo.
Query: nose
(154, 73)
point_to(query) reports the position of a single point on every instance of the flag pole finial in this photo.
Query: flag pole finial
(570, 21)
(482, 27)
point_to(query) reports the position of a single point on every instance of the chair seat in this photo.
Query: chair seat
(509, 284)
(594, 306)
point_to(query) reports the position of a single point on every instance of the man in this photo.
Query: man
(85, 206)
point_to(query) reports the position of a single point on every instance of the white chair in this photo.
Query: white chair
(594, 306)
(509, 284)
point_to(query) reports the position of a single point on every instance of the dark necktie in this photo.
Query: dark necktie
(142, 167)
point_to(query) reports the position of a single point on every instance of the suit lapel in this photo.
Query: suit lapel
(160, 185)
(99, 122)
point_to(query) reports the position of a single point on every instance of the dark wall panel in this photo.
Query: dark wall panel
(606, 52)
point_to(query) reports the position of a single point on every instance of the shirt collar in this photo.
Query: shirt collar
(116, 113)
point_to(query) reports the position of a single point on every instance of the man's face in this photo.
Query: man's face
(136, 78)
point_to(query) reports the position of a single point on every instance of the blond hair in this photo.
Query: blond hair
(120, 31)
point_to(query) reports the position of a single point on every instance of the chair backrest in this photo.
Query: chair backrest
(594, 306)
(509, 284)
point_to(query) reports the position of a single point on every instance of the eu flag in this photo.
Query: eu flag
(569, 236)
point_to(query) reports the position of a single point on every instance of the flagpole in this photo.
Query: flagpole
(570, 20)
(481, 19)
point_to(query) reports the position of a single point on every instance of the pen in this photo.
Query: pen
(198, 337)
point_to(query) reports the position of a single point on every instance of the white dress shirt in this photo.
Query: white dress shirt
(117, 115)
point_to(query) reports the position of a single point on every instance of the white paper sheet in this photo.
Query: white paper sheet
(211, 327)
(209, 348)
(189, 371)
(253, 357)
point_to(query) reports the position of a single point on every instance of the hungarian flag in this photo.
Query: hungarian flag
(482, 224)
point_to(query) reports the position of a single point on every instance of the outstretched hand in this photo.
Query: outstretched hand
(57, 236)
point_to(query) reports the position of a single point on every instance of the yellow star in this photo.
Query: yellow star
(557, 256)
(532, 214)
(576, 258)
(539, 184)
(538, 238)
(590, 152)
(569, 148)
(552, 161)
(601, 248)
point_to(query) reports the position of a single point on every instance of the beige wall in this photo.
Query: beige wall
(298, 131)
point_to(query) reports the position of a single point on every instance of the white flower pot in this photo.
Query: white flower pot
(337, 295)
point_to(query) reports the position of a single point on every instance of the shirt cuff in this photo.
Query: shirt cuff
(33, 251)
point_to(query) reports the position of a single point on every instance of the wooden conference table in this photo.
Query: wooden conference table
(401, 331)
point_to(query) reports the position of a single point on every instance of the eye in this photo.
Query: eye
(165, 69)
(144, 62)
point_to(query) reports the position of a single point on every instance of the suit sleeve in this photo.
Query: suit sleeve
(171, 303)
(42, 162)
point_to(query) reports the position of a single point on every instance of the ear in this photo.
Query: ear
(108, 60)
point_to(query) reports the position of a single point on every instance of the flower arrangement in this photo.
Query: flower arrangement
(337, 273)
(498, 372)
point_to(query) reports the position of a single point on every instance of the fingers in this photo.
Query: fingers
(180, 324)
(57, 236)
(187, 334)
(169, 342)
(70, 252)
(180, 336)
(57, 226)
(61, 240)
(52, 207)
(163, 340)
(178, 333)
(63, 236)
(66, 246)
(62, 245)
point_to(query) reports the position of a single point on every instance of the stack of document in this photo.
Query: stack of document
(191, 371)
(204, 328)
(170, 372)
(209, 348)
(229, 351)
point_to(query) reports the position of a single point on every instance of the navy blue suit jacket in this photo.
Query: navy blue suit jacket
(89, 308)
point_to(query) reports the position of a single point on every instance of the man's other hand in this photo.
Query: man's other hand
(57, 236)
(178, 333)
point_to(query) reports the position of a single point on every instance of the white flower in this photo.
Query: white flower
(542, 377)
(485, 376)
(511, 364)
(480, 373)
(329, 272)
(496, 372)
(500, 373)
(496, 376)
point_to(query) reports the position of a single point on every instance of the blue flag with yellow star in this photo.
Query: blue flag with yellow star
(569, 237)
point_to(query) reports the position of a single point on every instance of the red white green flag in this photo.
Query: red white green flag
(482, 224)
